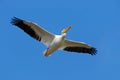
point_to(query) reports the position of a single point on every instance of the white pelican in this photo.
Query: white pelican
(53, 42)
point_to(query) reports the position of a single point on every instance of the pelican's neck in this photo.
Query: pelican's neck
(63, 35)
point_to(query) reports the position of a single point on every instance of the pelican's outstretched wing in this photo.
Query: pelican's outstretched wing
(78, 47)
(33, 30)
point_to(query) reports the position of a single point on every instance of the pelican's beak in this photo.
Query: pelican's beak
(66, 29)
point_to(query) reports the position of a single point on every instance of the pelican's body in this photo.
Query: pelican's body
(53, 42)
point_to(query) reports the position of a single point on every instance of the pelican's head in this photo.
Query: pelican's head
(65, 30)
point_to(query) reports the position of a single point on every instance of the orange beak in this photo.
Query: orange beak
(66, 29)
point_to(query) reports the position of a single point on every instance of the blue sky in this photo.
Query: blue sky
(96, 22)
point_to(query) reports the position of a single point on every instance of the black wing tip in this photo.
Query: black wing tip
(93, 51)
(16, 21)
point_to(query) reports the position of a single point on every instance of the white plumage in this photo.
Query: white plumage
(53, 42)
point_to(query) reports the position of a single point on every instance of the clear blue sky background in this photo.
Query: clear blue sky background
(96, 22)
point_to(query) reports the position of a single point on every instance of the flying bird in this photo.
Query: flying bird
(53, 42)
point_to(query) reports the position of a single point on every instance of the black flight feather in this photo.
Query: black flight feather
(26, 28)
(91, 51)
